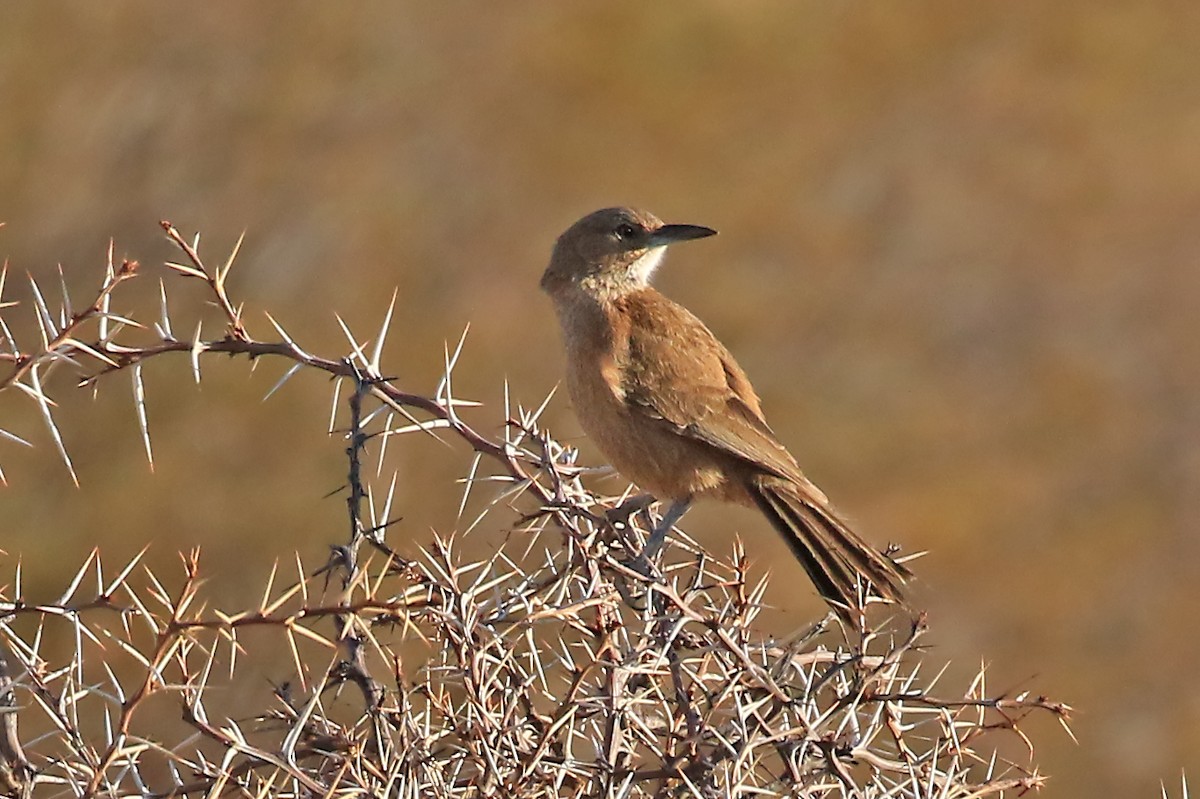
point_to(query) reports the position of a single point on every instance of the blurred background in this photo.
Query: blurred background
(958, 256)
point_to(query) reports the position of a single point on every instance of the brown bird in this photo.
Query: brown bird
(671, 409)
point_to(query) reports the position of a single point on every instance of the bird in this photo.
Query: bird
(669, 407)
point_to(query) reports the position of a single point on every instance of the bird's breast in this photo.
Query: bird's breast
(641, 446)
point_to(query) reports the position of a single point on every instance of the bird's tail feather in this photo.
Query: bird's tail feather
(833, 555)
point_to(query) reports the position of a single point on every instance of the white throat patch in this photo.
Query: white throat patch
(643, 268)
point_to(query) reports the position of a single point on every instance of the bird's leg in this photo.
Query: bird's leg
(659, 535)
(642, 563)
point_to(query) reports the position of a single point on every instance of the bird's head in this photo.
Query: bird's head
(612, 251)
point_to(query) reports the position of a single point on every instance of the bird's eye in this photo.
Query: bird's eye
(626, 231)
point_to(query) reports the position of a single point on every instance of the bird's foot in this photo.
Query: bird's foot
(636, 591)
(645, 562)
(619, 516)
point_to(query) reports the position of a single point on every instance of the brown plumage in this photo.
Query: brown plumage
(671, 408)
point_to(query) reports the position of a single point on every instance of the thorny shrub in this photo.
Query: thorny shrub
(552, 668)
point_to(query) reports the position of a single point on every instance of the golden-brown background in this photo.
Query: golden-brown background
(959, 256)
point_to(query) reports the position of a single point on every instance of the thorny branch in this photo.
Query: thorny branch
(533, 673)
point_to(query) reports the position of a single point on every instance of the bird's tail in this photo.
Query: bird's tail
(832, 554)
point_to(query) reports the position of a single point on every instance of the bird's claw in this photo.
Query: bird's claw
(619, 516)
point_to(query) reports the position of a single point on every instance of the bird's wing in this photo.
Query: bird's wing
(677, 372)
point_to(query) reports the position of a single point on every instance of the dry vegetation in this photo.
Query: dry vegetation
(549, 668)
